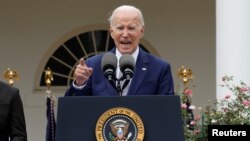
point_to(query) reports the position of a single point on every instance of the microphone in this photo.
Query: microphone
(127, 65)
(109, 65)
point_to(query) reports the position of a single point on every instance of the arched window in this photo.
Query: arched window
(63, 56)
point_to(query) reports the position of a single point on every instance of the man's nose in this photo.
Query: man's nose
(125, 32)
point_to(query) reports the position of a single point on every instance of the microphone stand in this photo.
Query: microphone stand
(120, 88)
(115, 82)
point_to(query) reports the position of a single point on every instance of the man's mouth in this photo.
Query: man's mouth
(126, 43)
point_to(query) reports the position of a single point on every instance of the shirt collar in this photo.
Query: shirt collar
(134, 55)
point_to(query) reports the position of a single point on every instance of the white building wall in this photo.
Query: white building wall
(182, 32)
(232, 42)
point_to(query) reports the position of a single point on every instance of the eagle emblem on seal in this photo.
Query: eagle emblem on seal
(119, 130)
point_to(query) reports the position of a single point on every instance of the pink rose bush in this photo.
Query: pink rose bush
(234, 109)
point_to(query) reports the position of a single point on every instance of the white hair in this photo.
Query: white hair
(127, 7)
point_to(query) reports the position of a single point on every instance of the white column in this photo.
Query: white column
(232, 42)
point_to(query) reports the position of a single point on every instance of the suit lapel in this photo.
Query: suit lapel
(140, 72)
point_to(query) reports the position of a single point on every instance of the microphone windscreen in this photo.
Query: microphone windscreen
(109, 61)
(127, 61)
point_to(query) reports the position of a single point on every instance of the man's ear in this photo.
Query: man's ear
(142, 32)
(111, 31)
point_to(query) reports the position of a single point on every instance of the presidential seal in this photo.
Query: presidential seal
(119, 124)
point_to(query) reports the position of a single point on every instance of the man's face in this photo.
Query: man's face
(126, 31)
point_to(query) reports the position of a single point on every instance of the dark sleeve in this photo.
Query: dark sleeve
(166, 86)
(17, 119)
(71, 91)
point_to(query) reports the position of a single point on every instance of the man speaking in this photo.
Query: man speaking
(126, 69)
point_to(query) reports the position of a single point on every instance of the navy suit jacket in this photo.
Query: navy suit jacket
(12, 121)
(152, 76)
